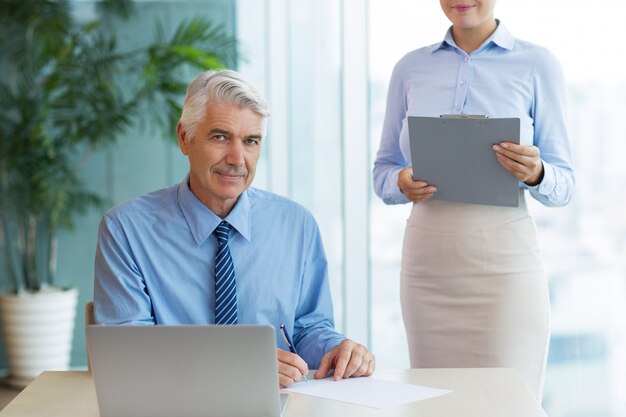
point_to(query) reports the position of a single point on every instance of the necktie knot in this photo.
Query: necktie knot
(221, 232)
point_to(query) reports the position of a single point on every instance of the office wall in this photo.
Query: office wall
(142, 160)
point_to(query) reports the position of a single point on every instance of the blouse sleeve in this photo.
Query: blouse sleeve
(551, 136)
(389, 159)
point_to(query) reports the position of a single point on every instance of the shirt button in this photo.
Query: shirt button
(458, 108)
(461, 82)
(465, 59)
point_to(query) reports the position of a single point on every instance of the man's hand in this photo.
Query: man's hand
(291, 367)
(415, 191)
(349, 359)
(520, 160)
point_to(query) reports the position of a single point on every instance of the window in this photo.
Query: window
(321, 61)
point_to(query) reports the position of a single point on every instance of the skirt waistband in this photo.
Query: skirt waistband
(445, 216)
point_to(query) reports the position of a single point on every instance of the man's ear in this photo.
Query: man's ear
(183, 140)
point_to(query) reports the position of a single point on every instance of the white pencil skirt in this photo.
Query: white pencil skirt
(473, 289)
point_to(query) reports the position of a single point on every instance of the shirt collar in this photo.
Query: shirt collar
(500, 37)
(202, 221)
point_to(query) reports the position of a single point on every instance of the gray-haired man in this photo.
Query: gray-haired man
(213, 250)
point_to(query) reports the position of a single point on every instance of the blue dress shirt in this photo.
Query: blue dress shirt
(155, 265)
(504, 77)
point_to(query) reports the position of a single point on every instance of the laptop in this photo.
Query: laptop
(185, 371)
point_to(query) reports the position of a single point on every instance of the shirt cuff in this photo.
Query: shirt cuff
(333, 343)
(547, 184)
(394, 195)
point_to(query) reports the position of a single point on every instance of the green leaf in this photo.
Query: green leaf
(67, 90)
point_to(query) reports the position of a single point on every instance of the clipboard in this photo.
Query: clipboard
(453, 153)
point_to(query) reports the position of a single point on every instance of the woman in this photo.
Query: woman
(473, 289)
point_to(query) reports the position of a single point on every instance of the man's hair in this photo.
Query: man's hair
(222, 86)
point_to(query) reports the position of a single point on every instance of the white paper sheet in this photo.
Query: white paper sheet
(370, 392)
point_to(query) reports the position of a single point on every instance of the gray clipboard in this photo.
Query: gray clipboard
(455, 154)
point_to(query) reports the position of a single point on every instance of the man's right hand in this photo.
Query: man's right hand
(291, 367)
(415, 191)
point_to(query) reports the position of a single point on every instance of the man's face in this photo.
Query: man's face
(223, 154)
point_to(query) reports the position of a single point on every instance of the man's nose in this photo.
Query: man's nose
(234, 155)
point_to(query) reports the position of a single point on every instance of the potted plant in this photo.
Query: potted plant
(66, 90)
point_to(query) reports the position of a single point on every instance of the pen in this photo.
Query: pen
(292, 348)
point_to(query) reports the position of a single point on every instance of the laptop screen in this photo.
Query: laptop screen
(196, 370)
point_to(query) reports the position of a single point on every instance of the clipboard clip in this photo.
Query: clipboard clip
(464, 116)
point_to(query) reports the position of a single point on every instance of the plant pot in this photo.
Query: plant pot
(38, 329)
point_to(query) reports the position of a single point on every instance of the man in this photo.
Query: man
(213, 250)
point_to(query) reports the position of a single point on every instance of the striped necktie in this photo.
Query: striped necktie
(225, 287)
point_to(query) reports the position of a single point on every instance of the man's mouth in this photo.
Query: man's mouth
(231, 174)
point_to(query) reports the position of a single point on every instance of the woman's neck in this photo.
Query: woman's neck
(470, 39)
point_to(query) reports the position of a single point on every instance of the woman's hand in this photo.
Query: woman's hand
(415, 191)
(520, 160)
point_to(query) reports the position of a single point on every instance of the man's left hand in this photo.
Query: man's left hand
(349, 359)
(520, 160)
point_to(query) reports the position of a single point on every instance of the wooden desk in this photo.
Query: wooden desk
(486, 392)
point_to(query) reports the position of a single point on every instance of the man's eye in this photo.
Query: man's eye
(219, 137)
(252, 141)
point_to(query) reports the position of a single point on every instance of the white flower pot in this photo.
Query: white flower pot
(38, 329)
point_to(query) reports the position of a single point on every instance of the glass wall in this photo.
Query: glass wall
(325, 66)
(308, 58)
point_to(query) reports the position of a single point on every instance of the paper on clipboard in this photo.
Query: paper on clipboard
(455, 154)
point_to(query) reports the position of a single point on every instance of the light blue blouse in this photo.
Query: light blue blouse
(505, 77)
